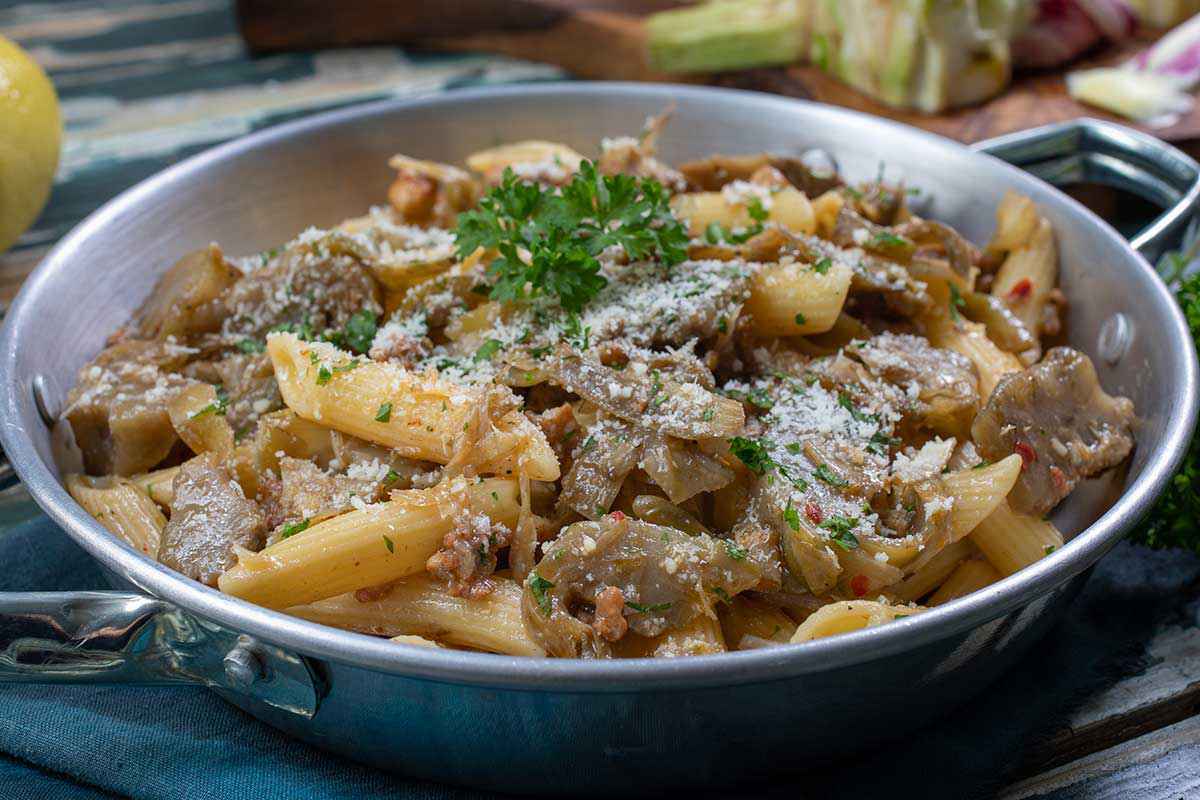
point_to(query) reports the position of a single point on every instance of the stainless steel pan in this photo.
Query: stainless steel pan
(525, 724)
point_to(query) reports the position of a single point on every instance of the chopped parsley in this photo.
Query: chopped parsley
(391, 477)
(564, 231)
(801, 319)
(251, 346)
(576, 333)
(722, 594)
(791, 517)
(642, 608)
(886, 240)
(956, 302)
(825, 474)
(822, 266)
(841, 530)
(292, 528)
(218, 407)
(384, 413)
(752, 453)
(323, 375)
(389, 544)
(539, 586)
(755, 209)
(734, 550)
(487, 350)
(881, 443)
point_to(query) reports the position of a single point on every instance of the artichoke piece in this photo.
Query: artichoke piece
(727, 35)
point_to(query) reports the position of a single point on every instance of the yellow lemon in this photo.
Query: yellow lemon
(30, 133)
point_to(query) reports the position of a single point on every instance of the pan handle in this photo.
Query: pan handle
(117, 637)
(1092, 151)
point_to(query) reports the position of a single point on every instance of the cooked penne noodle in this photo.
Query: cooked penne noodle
(421, 606)
(845, 616)
(931, 575)
(199, 419)
(427, 417)
(791, 298)
(978, 492)
(365, 547)
(158, 485)
(1028, 275)
(786, 207)
(700, 637)
(122, 507)
(970, 576)
(744, 616)
(1011, 541)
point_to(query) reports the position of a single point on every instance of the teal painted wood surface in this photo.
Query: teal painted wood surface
(1107, 707)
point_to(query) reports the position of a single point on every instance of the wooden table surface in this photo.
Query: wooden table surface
(1108, 706)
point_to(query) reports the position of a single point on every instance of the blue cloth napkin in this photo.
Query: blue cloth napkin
(173, 743)
(186, 744)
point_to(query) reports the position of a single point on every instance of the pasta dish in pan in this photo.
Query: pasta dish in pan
(545, 405)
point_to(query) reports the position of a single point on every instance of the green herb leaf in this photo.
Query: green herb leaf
(801, 319)
(384, 413)
(841, 531)
(539, 586)
(292, 528)
(791, 517)
(389, 544)
(251, 346)
(752, 453)
(323, 375)
(822, 266)
(734, 550)
(643, 608)
(956, 302)
(825, 474)
(562, 233)
(487, 350)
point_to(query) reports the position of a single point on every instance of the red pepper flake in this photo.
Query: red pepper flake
(859, 584)
(814, 512)
(1021, 289)
(1060, 480)
(617, 516)
(1027, 453)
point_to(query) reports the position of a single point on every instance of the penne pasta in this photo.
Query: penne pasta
(790, 298)
(929, 576)
(786, 207)
(1011, 541)
(419, 606)
(158, 485)
(1028, 275)
(978, 492)
(365, 547)
(427, 418)
(122, 507)
(969, 576)
(849, 615)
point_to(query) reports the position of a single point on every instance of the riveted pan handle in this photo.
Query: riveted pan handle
(1092, 151)
(126, 638)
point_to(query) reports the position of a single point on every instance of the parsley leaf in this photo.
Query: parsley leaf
(487, 350)
(251, 346)
(292, 528)
(389, 544)
(548, 240)
(734, 550)
(956, 302)
(643, 608)
(384, 413)
(824, 473)
(842, 531)
(752, 453)
(791, 517)
(539, 585)
(823, 264)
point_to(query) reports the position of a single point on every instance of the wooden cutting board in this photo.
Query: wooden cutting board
(605, 39)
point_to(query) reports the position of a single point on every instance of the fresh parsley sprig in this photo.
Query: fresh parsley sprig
(548, 240)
